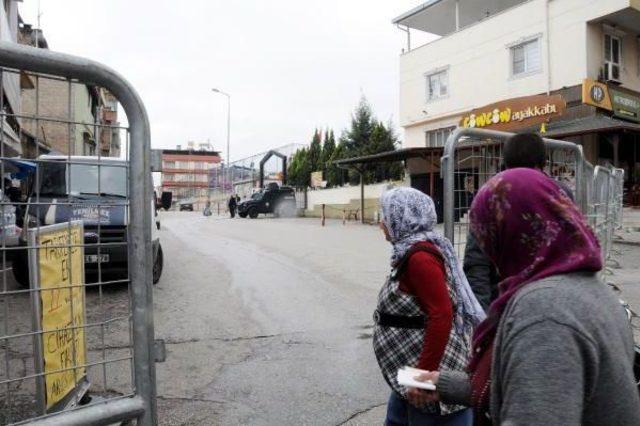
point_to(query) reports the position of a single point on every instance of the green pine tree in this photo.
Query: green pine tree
(356, 138)
(328, 146)
(368, 136)
(315, 152)
(335, 175)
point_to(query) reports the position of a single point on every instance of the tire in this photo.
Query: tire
(20, 266)
(158, 264)
(243, 215)
(253, 213)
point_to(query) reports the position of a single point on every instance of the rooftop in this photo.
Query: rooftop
(191, 152)
(442, 17)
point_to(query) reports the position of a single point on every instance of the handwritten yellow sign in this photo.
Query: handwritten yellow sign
(60, 266)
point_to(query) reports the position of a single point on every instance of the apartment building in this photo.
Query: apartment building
(185, 173)
(110, 133)
(11, 83)
(71, 115)
(568, 68)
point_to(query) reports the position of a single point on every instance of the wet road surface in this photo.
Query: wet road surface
(267, 321)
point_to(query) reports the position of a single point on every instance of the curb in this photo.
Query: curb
(627, 243)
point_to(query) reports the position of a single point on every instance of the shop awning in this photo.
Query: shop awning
(389, 156)
(581, 126)
(19, 168)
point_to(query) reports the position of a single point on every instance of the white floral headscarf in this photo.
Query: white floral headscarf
(410, 217)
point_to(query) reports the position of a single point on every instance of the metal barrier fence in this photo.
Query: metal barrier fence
(618, 199)
(76, 323)
(472, 156)
(599, 210)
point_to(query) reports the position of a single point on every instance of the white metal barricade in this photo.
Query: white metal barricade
(472, 156)
(85, 219)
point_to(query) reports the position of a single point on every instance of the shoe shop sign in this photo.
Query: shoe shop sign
(515, 113)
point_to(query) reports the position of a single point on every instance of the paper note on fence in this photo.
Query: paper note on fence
(61, 265)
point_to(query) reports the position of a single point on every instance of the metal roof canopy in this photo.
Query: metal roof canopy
(442, 17)
(389, 156)
(596, 124)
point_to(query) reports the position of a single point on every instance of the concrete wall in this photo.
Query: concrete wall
(479, 61)
(338, 199)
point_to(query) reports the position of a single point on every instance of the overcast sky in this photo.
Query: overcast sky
(289, 65)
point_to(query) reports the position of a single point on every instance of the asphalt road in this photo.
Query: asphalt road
(268, 322)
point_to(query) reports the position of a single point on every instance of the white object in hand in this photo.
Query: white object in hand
(406, 378)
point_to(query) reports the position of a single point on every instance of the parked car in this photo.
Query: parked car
(186, 206)
(275, 199)
(103, 213)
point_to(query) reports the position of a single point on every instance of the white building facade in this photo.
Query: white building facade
(496, 51)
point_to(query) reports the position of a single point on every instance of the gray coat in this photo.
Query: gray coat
(563, 355)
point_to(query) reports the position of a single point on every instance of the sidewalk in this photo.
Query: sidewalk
(625, 276)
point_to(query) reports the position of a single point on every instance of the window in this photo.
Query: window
(436, 138)
(83, 179)
(437, 85)
(525, 58)
(88, 146)
(612, 57)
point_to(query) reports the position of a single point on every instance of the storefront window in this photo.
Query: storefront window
(437, 138)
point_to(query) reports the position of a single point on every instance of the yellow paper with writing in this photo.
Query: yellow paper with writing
(60, 266)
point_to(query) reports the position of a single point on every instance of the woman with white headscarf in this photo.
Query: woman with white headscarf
(426, 310)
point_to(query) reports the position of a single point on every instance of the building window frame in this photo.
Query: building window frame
(528, 69)
(436, 138)
(88, 145)
(437, 72)
(610, 36)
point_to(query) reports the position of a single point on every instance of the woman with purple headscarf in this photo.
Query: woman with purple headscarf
(555, 347)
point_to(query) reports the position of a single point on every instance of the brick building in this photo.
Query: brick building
(86, 107)
(185, 173)
(109, 136)
(11, 83)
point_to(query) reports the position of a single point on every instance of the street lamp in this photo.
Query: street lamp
(228, 121)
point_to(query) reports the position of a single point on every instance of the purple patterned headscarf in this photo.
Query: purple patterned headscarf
(530, 229)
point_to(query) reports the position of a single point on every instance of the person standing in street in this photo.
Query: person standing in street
(13, 194)
(521, 150)
(233, 203)
(556, 347)
(426, 311)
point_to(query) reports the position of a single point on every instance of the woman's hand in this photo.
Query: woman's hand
(420, 397)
